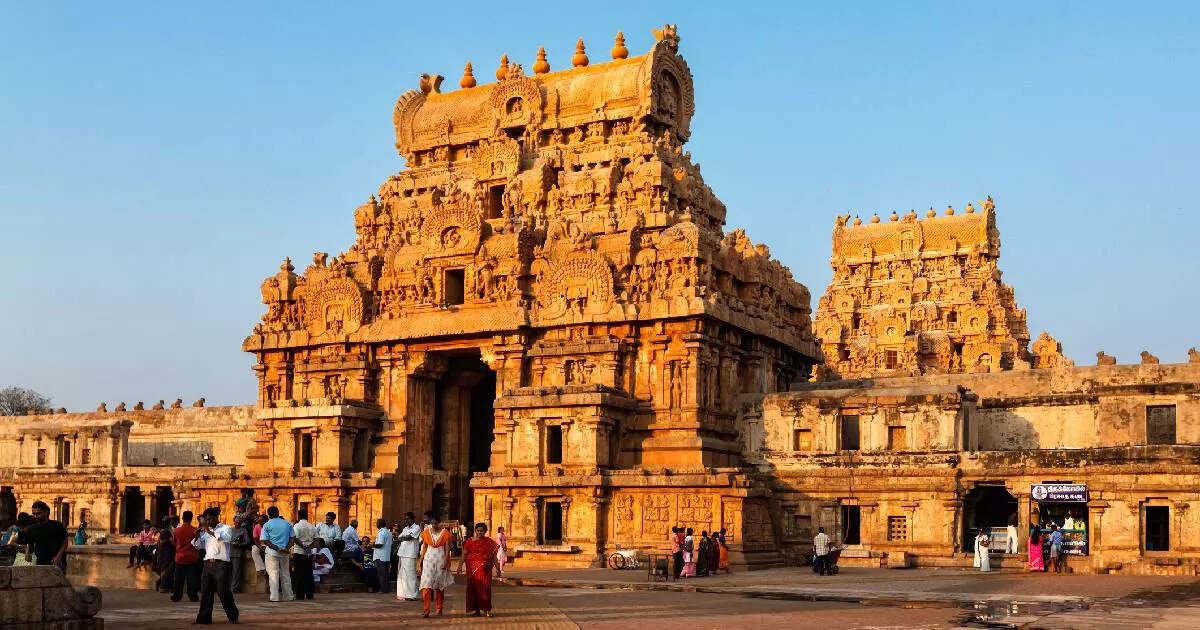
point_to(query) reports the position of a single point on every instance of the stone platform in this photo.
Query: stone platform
(37, 598)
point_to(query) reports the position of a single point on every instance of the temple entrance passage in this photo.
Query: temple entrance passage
(463, 429)
(992, 508)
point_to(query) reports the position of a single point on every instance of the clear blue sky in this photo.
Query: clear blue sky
(160, 159)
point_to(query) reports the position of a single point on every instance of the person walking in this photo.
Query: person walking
(1056, 548)
(216, 573)
(278, 537)
(382, 553)
(409, 543)
(821, 552)
(187, 561)
(1010, 544)
(302, 569)
(689, 554)
(501, 551)
(722, 552)
(81, 535)
(479, 558)
(435, 565)
(164, 560)
(1036, 562)
(677, 550)
(703, 553)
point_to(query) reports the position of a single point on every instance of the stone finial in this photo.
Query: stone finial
(199, 402)
(541, 66)
(159, 405)
(178, 404)
(875, 218)
(120, 406)
(580, 59)
(502, 71)
(286, 265)
(1105, 359)
(61, 410)
(1193, 355)
(103, 408)
(138, 406)
(431, 83)
(857, 220)
(893, 217)
(1148, 359)
(970, 208)
(932, 213)
(468, 78)
(912, 214)
(619, 51)
(988, 204)
(949, 211)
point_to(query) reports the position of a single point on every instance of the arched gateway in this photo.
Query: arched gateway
(541, 324)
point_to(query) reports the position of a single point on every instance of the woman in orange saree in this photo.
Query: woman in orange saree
(479, 556)
(434, 565)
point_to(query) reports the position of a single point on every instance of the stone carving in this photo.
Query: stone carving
(1148, 359)
(623, 523)
(160, 405)
(199, 402)
(1105, 359)
(177, 404)
(1047, 353)
(120, 407)
(656, 514)
(335, 306)
(1193, 355)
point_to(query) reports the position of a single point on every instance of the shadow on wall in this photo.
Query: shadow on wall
(1008, 431)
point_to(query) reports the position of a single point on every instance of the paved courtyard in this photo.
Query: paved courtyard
(788, 598)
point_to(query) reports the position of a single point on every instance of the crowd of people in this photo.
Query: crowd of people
(698, 557)
(208, 559)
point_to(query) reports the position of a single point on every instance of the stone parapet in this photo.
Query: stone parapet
(41, 598)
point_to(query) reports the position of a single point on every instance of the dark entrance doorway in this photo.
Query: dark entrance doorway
(987, 506)
(1158, 528)
(463, 429)
(135, 510)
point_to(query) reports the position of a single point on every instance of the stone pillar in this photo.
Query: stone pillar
(1178, 509)
(1024, 512)
(1095, 534)
(151, 508)
(531, 536)
(566, 520)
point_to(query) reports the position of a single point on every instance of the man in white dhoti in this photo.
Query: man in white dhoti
(410, 548)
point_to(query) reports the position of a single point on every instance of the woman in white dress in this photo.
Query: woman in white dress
(982, 543)
(434, 566)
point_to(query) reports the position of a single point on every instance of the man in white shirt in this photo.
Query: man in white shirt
(383, 553)
(350, 537)
(215, 578)
(302, 574)
(821, 552)
(410, 549)
(329, 532)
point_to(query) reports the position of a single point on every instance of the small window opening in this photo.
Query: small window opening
(554, 444)
(891, 359)
(897, 528)
(1158, 528)
(897, 438)
(802, 440)
(455, 281)
(306, 450)
(41, 457)
(496, 201)
(849, 433)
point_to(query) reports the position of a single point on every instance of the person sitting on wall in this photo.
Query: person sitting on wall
(329, 532)
(141, 553)
(322, 559)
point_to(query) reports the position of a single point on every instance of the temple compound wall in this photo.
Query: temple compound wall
(931, 418)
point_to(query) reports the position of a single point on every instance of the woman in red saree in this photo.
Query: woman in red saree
(479, 556)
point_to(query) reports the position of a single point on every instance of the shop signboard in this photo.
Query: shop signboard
(1059, 492)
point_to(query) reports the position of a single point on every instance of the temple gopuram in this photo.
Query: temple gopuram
(543, 324)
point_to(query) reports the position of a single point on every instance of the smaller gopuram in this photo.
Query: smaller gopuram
(914, 296)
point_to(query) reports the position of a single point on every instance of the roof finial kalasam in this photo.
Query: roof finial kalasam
(502, 71)
(619, 51)
(468, 77)
(580, 59)
(541, 66)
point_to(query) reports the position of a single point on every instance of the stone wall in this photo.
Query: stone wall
(41, 598)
